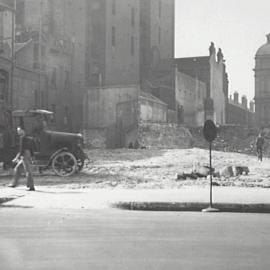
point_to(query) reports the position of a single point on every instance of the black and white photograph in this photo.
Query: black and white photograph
(134, 134)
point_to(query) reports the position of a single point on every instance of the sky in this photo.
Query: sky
(238, 27)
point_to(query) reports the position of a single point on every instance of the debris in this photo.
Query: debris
(199, 171)
(184, 176)
(226, 171)
(240, 170)
(230, 171)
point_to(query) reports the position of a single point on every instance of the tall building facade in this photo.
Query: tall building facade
(130, 46)
(19, 81)
(262, 84)
(157, 49)
(97, 54)
(57, 29)
(112, 50)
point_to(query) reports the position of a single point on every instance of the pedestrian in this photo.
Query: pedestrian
(23, 160)
(259, 146)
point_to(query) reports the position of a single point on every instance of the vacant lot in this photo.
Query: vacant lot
(155, 168)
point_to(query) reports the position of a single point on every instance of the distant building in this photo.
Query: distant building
(210, 70)
(262, 85)
(239, 113)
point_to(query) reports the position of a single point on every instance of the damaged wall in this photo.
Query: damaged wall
(164, 136)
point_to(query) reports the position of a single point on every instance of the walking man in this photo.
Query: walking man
(259, 146)
(23, 160)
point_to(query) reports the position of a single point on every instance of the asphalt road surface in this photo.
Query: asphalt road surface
(114, 239)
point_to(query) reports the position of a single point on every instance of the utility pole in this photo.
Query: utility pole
(12, 8)
(12, 53)
(39, 98)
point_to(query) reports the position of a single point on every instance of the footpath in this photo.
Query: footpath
(192, 198)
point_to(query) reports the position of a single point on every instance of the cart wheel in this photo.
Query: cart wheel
(64, 164)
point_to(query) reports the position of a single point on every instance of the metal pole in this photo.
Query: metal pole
(40, 56)
(210, 162)
(12, 54)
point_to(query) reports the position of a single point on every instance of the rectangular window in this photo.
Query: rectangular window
(113, 36)
(132, 17)
(113, 7)
(132, 45)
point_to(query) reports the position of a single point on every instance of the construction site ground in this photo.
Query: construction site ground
(153, 169)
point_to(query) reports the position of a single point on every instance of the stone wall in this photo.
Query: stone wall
(190, 95)
(152, 109)
(100, 104)
(149, 135)
(164, 136)
(237, 114)
(95, 138)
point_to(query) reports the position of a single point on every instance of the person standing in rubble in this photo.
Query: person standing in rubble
(23, 160)
(259, 146)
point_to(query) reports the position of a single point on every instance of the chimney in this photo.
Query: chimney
(235, 97)
(244, 102)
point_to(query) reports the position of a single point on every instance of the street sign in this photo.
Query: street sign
(210, 133)
(209, 130)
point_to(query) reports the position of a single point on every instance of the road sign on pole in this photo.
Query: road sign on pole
(210, 133)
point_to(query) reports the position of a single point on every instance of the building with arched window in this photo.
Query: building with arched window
(262, 84)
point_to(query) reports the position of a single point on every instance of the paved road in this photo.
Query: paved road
(114, 239)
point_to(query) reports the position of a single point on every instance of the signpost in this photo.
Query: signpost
(210, 133)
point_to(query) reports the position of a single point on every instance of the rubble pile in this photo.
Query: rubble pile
(230, 139)
(164, 136)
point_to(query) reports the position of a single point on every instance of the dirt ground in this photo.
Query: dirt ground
(154, 169)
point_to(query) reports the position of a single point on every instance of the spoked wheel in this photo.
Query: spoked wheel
(64, 164)
(80, 156)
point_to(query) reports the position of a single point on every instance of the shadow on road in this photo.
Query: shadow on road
(15, 206)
